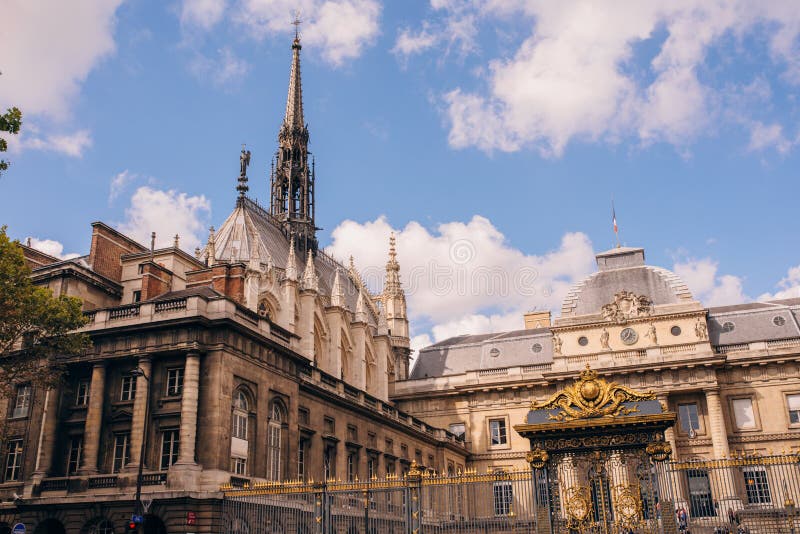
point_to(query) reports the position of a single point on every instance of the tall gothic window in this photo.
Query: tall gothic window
(275, 433)
(239, 443)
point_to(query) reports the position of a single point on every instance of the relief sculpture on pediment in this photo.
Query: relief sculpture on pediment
(627, 305)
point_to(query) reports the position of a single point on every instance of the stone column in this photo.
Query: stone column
(191, 391)
(722, 479)
(139, 424)
(47, 441)
(94, 419)
(719, 434)
(678, 495)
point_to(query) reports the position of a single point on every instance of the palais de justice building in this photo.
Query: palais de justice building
(262, 358)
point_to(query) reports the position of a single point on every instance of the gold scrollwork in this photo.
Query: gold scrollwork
(578, 507)
(628, 505)
(591, 396)
(537, 458)
(659, 450)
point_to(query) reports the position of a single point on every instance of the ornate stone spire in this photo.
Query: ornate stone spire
(392, 286)
(294, 100)
(310, 281)
(291, 263)
(383, 325)
(292, 178)
(361, 307)
(211, 247)
(337, 292)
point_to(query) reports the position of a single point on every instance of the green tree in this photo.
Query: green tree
(10, 122)
(37, 329)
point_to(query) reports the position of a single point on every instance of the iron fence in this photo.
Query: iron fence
(745, 495)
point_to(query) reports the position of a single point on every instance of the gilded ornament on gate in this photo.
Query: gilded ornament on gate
(628, 505)
(591, 396)
(537, 458)
(578, 507)
(659, 450)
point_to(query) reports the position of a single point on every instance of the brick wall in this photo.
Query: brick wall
(108, 246)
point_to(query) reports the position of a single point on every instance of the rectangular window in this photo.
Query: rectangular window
(390, 469)
(389, 446)
(175, 382)
(459, 429)
(122, 451)
(372, 439)
(503, 497)
(128, 389)
(794, 408)
(22, 403)
(170, 443)
(82, 393)
(239, 425)
(329, 462)
(352, 466)
(352, 433)
(329, 426)
(743, 414)
(404, 450)
(701, 501)
(301, 460)
(303, 416)
(418, 457)
(239, 466)
(687, 414)
(14, 460)
(497, 432)
(756, 485)
(137, 295)
(371, 473)
(75, 457)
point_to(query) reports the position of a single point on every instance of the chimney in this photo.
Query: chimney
(537, 319)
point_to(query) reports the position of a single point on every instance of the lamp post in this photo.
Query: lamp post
(137, 506)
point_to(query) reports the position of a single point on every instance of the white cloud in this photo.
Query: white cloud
(204, 14)
(225, 71)
(409, 42)
(51, 247)
(338, 30)
(789, 286)
(576, 75)
(765, 136)
(119, 182)
(707, 286)
(49, 48)
(73, 144)
(465, 277)
(167, 213)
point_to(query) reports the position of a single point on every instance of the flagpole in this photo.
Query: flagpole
(614, 221)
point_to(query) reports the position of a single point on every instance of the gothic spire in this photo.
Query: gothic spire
(291, 263)
(292, 178)
(392, 286)
(294, 100)
(337, 293)
(310, 281)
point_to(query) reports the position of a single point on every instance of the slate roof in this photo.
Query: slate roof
(251, 229)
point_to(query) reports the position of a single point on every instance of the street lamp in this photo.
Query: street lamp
(138, 499)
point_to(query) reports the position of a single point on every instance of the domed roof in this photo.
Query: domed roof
(623, 268)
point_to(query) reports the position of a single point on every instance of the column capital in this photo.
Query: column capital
(711, 391)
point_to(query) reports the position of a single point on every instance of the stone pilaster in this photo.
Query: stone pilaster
(716, 422)
(722, 479)
(191, 391)
(47, 442)
(94, 419)
(139, 424)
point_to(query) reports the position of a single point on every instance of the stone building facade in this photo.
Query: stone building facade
(259, 358)
(731, 373)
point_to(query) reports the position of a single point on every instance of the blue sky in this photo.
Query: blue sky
(507, 125)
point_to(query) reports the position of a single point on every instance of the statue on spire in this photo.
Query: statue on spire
(244, 162)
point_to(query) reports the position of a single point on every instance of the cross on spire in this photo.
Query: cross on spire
(297, 22)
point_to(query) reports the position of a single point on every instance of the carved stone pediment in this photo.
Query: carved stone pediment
(591, 396)
(627, 305)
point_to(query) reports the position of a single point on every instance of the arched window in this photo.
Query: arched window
(239, 420)
(275, 443)
(239, 423)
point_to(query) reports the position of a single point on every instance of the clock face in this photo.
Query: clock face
(629, 336)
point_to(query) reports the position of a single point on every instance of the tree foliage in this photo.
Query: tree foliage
(10, 122)
(37, 329)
